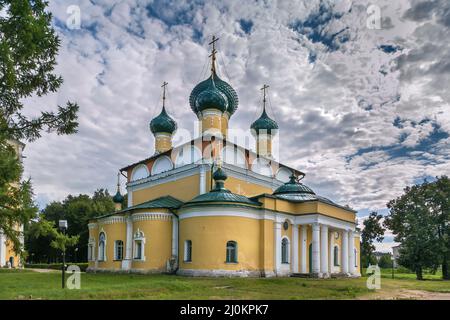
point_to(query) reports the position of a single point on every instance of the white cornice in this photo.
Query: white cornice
(144, 216)
(195, 168)
(112, 219)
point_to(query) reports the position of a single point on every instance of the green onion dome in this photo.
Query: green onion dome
(118, 198)
(264, 122)
(230, 94)
(163, 123)
(211, 98)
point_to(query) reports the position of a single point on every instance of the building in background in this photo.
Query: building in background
(211, 207)
(8, 258)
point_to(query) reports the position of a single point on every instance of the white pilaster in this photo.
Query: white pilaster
(277, 253)
(351, 252)
(2, 249)
(202, 187)
(126, 263)
(316, 248)
(344, 260)
(130, 197)
(295, 248)
(324, 250)
(331, 252)
(174, 236)
(304, 239)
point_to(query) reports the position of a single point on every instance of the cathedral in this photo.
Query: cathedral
(210, 207)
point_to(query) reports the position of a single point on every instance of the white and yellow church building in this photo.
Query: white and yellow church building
(210, 207)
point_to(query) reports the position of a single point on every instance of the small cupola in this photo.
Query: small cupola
(118, 198)
(163, 127)
(264, 128)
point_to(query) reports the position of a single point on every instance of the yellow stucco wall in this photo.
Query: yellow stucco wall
(10, 253)
(245, 188)
(158, 244)
(209, 236)
(267, 243)
(183, 189)
(113, 232)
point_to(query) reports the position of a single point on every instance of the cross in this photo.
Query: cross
(264, 93)
(213, 53)
(164, 85)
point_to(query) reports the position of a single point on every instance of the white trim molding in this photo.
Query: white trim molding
(145, 216)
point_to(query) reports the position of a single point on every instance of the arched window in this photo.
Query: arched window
(232, 252)
(186, 155)
(102, 247)
(336, 256)
(188, 251)
(232, 155)
(162, 164)
(139, 172)
(356, 257)
(118, 250)
(285, 250)
(139, 243)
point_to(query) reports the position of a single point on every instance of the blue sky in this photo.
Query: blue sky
(364, 112)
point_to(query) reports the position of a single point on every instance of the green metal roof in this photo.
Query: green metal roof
(220, 193)
(168, 202)
(293, 187)
(228, 91)
(163, 123)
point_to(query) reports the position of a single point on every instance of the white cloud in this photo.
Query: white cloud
(328, 111)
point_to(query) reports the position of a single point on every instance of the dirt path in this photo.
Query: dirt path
(407, 294)
(42, 270)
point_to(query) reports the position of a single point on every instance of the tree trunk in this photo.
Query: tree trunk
(445, 274)
(419, 275)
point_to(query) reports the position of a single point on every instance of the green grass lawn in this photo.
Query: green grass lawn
(26, 284)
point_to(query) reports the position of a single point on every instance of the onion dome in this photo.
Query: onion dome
(211, 98)
(264, 122)
(294, 190)
(163, 123)
(223, 87)
(118, 198)
(220, 194)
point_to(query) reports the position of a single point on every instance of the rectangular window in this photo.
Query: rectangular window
(138, 250)
(188, 251)
(231, 256)
(118, 250)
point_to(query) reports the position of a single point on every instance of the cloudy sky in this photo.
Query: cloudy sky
(359, 89)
